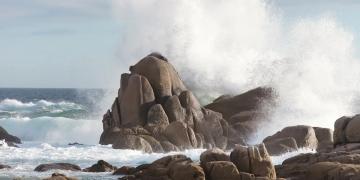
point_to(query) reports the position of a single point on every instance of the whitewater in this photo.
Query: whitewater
(46, 128)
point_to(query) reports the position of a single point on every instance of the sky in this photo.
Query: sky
(74, 43)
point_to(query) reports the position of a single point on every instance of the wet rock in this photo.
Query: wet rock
(174, 167)
(100, 166)
(59, 166)
(2, 166)
(153, 99)
(254, 160)
(4, 135)
(281, 145)
(125, 170)
(214, 154)
(304, 135)
(58, 176)
(75, 144)
(221, 170)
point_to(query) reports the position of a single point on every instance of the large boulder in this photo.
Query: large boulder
(10, 139)
(100, 166)
(254, 160)
(346, 130)
(59, 166)
(216, 170)
(280, 146)
(174, 167)
(153, 97)
(214, 154)
(304, 136)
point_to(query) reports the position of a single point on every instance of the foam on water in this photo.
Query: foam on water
(25, 159)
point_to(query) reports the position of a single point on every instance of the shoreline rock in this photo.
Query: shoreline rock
(9, 139)
(155, 112)
(59, 166)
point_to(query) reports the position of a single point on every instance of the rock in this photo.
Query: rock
(161, 75)
(325, 138)
(58, 176)
(135, 101)
(254, 160)
(282, 145)
(177, 134)
(304, 135)
(333, 170)
(155, 112)
(8, 137)
(174, 167)
(221, 170)
(346, 130)
(59, 166)
(2, 166)
(244, 102)
(214, 154)
(100, 166)
(125, 170)
(75, 144)
(339, 130)
(132, 142)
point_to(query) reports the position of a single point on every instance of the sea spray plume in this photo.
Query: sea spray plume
(235, 45)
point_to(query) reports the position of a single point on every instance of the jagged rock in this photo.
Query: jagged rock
(304, 135)
(132, 142)
(4, 135)
(254, 160)
(281, 145)
(100, 166)
(325, 138)
(214, 154)
(58, 176)
(175, 167)
(221, 170)
(60, 166)
(177, 134)
(333, 170)
(125, 170)
(2, 166)
(168, 117)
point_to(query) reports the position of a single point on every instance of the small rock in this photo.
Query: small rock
(61, 166)
(100, 166)
(125, 170)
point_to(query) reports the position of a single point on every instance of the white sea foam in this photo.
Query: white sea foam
(25, 159)
(54, 129)
(234, 45)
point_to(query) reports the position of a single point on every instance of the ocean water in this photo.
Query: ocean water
(48, 119)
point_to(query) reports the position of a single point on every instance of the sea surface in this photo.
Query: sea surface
(47, 120)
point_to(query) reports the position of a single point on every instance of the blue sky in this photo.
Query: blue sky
(73, 43)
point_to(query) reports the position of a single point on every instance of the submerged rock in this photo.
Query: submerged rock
(60, 166)
(9, 139)
(100, 166)
(3, 166)
(155, 112)
(58, 176)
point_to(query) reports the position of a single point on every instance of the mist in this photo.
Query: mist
(229, 47)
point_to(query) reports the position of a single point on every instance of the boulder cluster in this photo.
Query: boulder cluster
(339, 161)
(155, 112)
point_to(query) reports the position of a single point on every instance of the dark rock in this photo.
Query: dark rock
(221, 170)
(214, 154)
(280, 146)
(60, 166)
(346, 130)
(125, 170)
(8, 137)
(304, 135)
(155, 112)
(2, 166)
(325, 138)
(254, 160)
(75, 144)
(100, 166)
(58, 176)
(175, 167)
